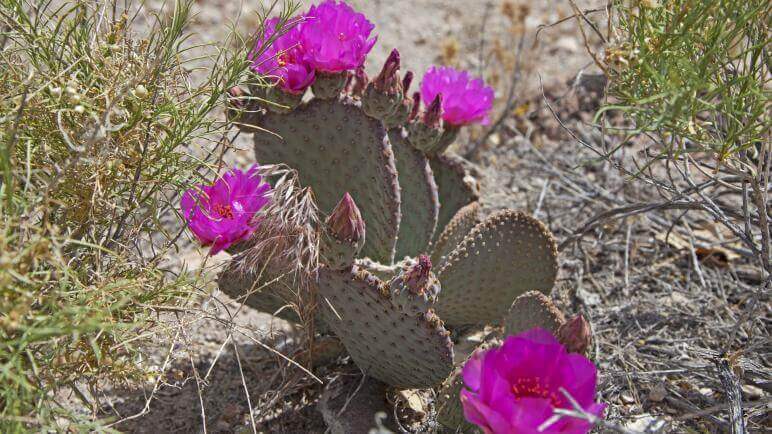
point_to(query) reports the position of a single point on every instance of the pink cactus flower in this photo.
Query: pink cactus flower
(335, 37)
(283, 60)
(516, 387)
(465, 100)
(224, 213)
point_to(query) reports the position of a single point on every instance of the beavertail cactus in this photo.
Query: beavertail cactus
(430, 264)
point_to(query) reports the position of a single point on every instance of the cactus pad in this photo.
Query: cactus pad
(401, 349)
(336, 148)
(501, 258)
(533, 309)
(450, 413)
(418, 194)
(456, 188)
(465, 219)
(258, 289)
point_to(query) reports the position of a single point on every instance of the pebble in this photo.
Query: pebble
(658, 393)
(752, 392)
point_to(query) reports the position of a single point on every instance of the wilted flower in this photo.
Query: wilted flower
(335, 37)
(223, 213)
(575, 334)
(465, 99)
(283, 60)
(516, 387)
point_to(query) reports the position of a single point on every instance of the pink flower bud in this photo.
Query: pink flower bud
(433, 114)
(416, 106)
(388, 80)
(345, 222)
(575, 334)
(407, 80)
(417, 276)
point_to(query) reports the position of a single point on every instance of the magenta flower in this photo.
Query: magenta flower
(335, 37)
(465, 99)
(223, 213)
(283, 60)
(514, 388)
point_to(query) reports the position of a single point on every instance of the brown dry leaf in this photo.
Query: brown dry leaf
(709, 244)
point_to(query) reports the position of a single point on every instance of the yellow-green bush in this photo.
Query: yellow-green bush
(96, 124)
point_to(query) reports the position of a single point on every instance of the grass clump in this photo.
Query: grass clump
(97, 124)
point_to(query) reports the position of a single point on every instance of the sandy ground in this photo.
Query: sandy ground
(656, 330)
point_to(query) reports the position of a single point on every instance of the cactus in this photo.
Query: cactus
(378, 162)
(533, 309)
(506, 255)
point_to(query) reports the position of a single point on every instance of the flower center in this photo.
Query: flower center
(225, 211)
(283, 59)
(531, 387)
(341, 36)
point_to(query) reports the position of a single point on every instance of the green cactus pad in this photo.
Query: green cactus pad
(401, 349)
(257, 289)
(501, 258)
(349, 404)
(460, 225)
(450, 413)
(455, 186)
(532, 309)
(336, 148)
(418, 194)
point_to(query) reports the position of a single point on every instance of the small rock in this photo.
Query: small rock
(413, 401)
(645, 423)
(658, 393)
(627, 398)
(752, 392)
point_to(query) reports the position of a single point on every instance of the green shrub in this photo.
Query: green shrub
(696, 70)
(96, 127)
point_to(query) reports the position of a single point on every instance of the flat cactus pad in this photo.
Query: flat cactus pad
(501, 258)
(530, 310)
(418, 194)
(456, 188)
(258, 289)
(336, 148)
(460, 225)
(396, 347)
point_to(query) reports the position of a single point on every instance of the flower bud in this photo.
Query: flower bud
(407, 80)
(425, 135)
(416, 107)
(416, 288)
(384, 95)
(575, 334)
(417, 276)
(345, 234)
(346, 222)
(388, 80)
(433, 115)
